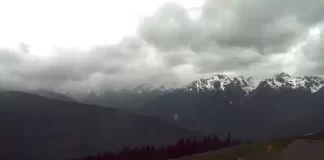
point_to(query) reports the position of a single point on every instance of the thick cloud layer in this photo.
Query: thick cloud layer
(313, 54)
(253, 37)
(128, 63)
(264, 25)
(236, 35)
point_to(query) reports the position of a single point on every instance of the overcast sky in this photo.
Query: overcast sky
(71, 45)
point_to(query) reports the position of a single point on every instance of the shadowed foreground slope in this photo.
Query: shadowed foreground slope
(33, 127)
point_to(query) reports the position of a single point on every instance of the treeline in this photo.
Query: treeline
(182, 148)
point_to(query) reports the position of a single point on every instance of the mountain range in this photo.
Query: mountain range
(137, 96)
(282, 105)
(279, 81)
(278, 106)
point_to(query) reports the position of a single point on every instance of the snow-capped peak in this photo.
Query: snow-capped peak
(283, 75)
(219, 82)
(247, 84)
(283, 80)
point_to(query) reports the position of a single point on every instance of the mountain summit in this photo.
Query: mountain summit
(285, 81)
(232, 89)
(247, 84)
(220, 83)
(279, 106)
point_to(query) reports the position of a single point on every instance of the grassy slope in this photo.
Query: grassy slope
(253, 151)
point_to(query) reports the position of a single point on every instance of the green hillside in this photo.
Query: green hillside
(266, 151)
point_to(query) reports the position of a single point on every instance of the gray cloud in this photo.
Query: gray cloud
(252, 37)
(127, 63)
(24, 48)
(235, 35)
(169, 28)
(9, 57)
(313, 53)
(207, 63)
(267, 26)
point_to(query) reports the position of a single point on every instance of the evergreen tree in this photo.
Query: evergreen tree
(183, 147)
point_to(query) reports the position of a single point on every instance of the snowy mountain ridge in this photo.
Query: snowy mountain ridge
(247, 84)
(283, 80)
(220, 82)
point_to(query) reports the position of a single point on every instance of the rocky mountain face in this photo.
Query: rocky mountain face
(233, 89)
(220, 83)
(247, 84)
(285, 81)
(277, 106)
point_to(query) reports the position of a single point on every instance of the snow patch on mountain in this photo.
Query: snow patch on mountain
(220, 82)
(283, 80)
(247, 84)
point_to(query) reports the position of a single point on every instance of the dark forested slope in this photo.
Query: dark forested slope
(34, 127)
